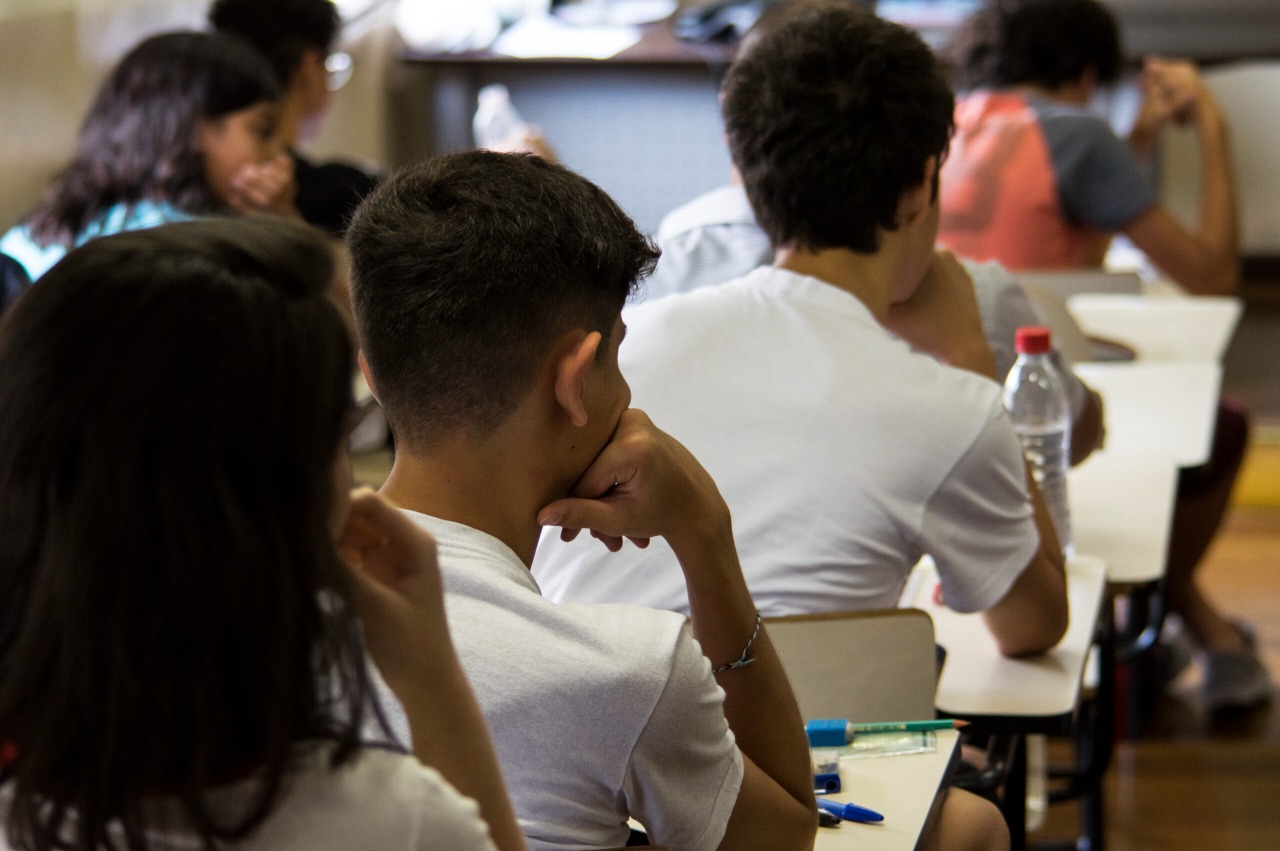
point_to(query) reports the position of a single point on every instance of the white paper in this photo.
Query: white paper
(545, 36)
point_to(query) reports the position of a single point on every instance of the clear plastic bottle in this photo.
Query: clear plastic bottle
(497, 124)
(1036, 397)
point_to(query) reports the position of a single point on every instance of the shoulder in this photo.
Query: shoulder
(35, 259)
(379, 798)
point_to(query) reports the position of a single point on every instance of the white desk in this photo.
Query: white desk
(1174, 328)
(1122, 510)
(901, 788)
(1158, 407)
(978, 682)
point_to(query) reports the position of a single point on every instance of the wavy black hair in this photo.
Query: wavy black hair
(282, 30)
(831, 115)
(174, 615)
(139, 139)
(1046, 43)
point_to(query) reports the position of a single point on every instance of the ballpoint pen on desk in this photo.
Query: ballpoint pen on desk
(849, 812)
(834, 732)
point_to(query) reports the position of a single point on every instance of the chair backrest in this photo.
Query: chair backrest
(865, 666)
(13, 280)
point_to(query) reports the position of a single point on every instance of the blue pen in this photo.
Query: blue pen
(849, 812)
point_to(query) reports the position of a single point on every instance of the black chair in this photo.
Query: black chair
(13, 280)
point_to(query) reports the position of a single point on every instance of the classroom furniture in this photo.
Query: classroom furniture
(906, 789)
(1158, 407)
(865, 666)
(1011, 698)
(1122, 509)
(1158, 329)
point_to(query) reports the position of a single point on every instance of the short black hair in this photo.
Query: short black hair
(465, 270)
(282, 30)
(174, 614)
(831, 117)
(1047, 43)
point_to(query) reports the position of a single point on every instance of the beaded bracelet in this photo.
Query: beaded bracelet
(746, 658)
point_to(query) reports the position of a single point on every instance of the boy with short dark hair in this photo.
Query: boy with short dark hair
(488, 290)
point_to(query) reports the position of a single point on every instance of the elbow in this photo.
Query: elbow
(1038, 637)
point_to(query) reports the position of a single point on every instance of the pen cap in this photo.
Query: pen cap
(829, 732)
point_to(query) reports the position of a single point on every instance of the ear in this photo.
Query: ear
(916, 202)
(571, 370)
(368, 376)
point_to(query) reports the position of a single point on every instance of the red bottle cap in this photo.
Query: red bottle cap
(1031, 340)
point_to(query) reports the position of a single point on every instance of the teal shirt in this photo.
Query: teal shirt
(38, 259)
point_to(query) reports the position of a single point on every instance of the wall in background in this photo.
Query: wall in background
(53, 53)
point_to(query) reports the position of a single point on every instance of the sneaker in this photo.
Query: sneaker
(1236, 679)
(1168, 657)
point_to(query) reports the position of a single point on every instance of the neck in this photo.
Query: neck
(1079, 93)
(475, 483)
(292, 116)
(870, 278)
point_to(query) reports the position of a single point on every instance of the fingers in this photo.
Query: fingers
(381, 542)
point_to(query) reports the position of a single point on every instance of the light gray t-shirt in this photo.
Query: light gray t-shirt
(598, 713)
(380, 799)
(843, 455)
(715, 238)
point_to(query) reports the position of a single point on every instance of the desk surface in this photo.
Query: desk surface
(1122, 510)
(1033, 694)
(1158, 407)
(1175, 328)
(901, 788)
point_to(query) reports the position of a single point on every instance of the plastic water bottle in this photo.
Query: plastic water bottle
(1036, 397)
(497, 125)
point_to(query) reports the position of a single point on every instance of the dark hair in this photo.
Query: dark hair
(172, 404)
(139, 140)
(1047, 43)
(831, 116)
(466, 268)
(282, 30)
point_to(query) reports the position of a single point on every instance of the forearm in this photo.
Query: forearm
(1217, 215)
(450, 735)
(1088, 430)
(759, 705)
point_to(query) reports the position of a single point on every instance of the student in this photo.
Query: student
(298, 37)
(488, 289)
(180, 659)
(715, 238)
(843, 455)
(1036, 182)
(180, 129)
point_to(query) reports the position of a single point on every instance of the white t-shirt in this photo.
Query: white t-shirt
(598, 713)
(380, 799)
(715, 238)
(843, 455)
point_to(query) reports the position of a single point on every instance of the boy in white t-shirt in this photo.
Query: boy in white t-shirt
(488, 291)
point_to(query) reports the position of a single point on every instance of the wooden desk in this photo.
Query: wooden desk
(1037, 694)
(1158, 407)
(904, 789)
(1175, 328)
(1122, 510)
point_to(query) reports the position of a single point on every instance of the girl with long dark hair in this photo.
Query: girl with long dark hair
(181, 128)
(181, 661)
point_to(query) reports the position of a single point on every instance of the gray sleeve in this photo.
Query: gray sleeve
(1100, 182)
(1004, 308)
